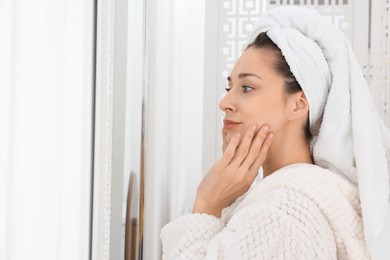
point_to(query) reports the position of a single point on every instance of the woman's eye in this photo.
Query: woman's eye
(246, 89)
(227, 89)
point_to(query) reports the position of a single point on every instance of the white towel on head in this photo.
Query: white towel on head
(349, 136)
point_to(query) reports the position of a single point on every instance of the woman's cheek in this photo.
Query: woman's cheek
(272, 119)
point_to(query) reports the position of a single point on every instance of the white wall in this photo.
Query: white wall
(175, 72)
(46, 97)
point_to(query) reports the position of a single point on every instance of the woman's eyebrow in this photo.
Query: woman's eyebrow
(244, 75)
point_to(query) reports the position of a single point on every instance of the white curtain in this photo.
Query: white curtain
(46, 99)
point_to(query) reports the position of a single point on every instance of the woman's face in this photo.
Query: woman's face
(255, 95)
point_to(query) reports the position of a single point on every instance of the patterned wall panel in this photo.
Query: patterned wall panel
(237, 20)
(338, 12)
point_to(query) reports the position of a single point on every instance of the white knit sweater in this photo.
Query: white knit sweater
(301, 211)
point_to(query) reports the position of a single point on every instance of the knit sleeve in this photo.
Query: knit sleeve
(257, 231)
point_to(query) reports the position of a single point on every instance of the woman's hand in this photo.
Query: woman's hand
(234, 173)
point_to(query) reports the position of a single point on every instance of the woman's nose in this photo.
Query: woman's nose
(227, 102)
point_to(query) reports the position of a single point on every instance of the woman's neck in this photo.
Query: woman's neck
(287, 148)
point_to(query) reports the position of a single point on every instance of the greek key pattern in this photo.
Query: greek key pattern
(309, 2)
(379, 68)
(381, 79)
(338, 12)
(238, 18)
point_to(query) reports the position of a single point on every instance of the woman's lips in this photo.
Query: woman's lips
(227, 124)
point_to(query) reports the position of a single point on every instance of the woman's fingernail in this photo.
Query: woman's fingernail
(265, 128)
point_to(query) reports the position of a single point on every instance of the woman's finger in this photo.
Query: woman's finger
(230, 150)
(254, 168)
(244, 147)
(224, 141)
(255, 148)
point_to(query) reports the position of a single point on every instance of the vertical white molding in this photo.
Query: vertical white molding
(104, 99)
(380, 57)
(47, 83)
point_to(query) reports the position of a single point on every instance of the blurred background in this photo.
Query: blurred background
(109, 113)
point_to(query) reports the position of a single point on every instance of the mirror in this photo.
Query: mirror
(163, 65)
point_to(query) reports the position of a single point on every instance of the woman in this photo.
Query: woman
(296, 105)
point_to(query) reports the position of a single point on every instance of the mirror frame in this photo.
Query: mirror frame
(103, 139)
(110, 135)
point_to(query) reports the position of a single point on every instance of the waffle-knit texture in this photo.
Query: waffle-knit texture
(301, 211)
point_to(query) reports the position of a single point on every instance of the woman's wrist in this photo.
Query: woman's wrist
(201, 206)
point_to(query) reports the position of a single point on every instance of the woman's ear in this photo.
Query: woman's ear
(299, 106)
